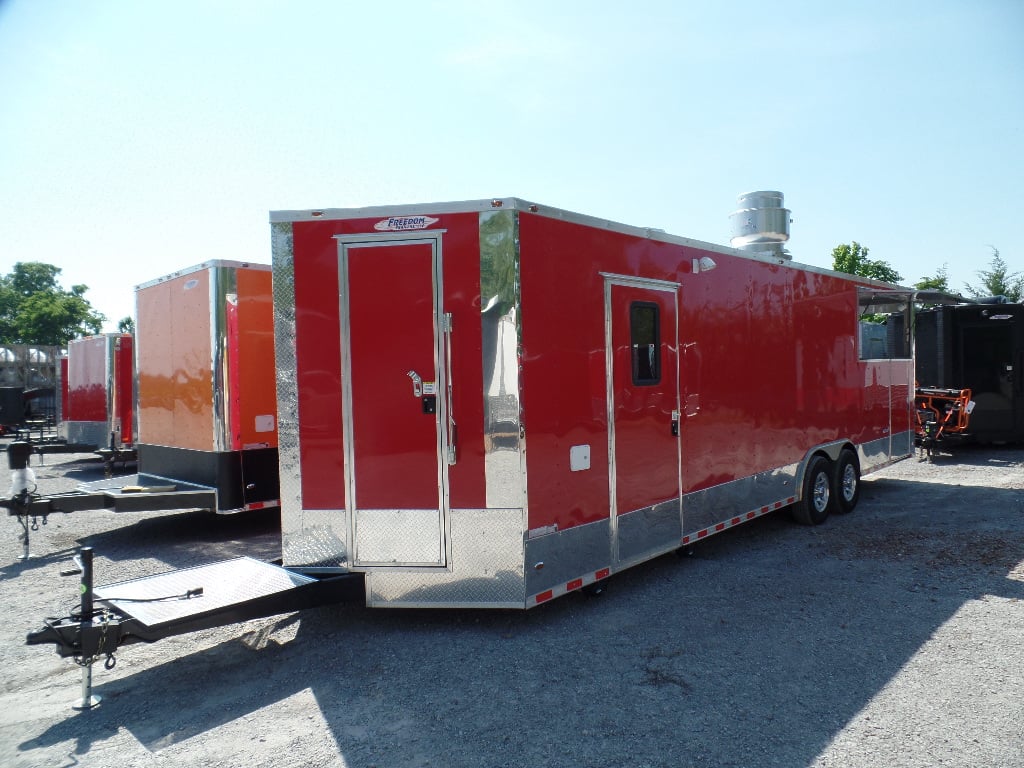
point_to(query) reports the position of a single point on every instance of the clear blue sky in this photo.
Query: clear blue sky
(137, 138)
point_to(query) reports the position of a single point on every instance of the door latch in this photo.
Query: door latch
(417, 383)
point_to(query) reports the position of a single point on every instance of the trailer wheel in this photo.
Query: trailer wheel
(596, 589)
(846, 483)
(816, 500)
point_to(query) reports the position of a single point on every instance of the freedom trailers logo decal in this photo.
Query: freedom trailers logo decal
(402, 223)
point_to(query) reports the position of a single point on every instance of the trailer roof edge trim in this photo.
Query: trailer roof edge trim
(518, 204)
(214, 264)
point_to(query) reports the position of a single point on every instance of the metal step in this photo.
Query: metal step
(141, 483)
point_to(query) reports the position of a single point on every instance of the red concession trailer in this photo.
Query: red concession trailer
(98, 399)
(207, 401)
(494, 403)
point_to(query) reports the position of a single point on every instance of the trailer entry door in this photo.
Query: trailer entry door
(394, 405)
(643, 415)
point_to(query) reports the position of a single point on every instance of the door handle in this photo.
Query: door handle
(417, 383)
(453, 428)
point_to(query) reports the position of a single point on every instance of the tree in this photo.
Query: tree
(126, 325)
(853, 260)
(938, 283)
(34, 309)
(997, 280)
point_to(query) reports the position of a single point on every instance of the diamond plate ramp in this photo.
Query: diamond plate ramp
(178, 596)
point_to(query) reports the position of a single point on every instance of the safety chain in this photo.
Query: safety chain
(104, 620)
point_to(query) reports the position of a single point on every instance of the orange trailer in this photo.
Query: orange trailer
(207, 401)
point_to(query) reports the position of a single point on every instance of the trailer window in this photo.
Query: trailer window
(645, 343)
(885, 320)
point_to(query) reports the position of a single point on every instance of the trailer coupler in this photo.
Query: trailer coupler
(20, 506)
(83, 639)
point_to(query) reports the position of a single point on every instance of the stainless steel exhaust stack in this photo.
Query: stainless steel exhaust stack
(761, 223)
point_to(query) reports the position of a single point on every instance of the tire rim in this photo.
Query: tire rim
(849, 482)
(821, 492)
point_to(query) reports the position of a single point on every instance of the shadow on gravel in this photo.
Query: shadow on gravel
(971, 455)
(178, 538)
(185, 538)
(20, 567)
(756, 651)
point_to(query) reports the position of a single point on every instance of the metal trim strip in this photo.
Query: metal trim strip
(345, 243)
(203, 266)
(525, 206)
(293, 515)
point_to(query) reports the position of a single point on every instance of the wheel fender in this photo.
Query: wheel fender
(830, 451)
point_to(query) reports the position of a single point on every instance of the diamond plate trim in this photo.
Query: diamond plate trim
(486, 568)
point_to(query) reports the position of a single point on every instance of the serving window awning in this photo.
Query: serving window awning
(879, 301)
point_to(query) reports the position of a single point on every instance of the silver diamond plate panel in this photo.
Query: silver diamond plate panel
(223, 584)
(486, 567)
(398, 537)
(88, 433)
(289, 468)
(320, 541)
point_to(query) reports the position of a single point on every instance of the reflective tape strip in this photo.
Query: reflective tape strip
(718, 527)
(251, 507)
(262, 504)
(570, 586)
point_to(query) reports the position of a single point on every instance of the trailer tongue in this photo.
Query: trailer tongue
(179, 602)
(155, 607)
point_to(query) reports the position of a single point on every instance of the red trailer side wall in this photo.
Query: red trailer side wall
(64, 388)
(124, 387)
(764, 349)
(318, 356)
(87, 379)
(564, 396)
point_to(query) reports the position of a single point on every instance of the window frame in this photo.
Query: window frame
(635, 307)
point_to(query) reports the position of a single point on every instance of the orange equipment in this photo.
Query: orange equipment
(941, 414)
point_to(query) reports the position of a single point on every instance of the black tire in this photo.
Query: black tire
(816, 500)
(846, 482)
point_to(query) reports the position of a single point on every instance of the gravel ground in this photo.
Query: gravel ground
(890, 637)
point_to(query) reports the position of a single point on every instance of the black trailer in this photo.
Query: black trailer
(979, 347)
